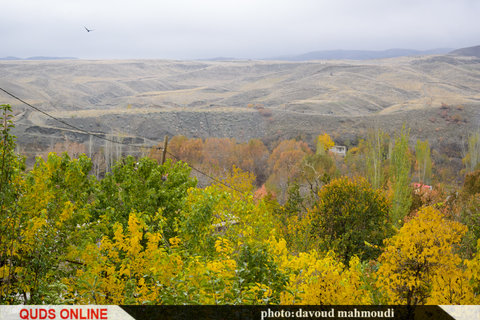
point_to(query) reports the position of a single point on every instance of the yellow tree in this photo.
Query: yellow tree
(319, 279)
(419, 265)
(52, 212)
(11, 185)
(324, 142)
(131, 267)
(326, 281)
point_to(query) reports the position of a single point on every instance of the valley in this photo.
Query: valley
(143, 100)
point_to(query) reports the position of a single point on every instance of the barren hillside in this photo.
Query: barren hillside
(146, 99)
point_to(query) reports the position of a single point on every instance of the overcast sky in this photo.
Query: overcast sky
(189, 29)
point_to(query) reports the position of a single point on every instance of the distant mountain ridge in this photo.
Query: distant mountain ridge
(360, 54)
(323, 55)
(39, 58)
(469, 52)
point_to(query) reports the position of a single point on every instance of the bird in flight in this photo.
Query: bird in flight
(88, 30)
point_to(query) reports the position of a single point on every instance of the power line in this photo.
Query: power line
(118, 142)
(205, 174)
(96, 135)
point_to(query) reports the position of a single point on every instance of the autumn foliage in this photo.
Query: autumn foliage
(419, 264)
(148, 233)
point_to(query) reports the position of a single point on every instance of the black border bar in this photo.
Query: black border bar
(336, 312)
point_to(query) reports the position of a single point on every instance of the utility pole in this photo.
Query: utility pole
(164, 153)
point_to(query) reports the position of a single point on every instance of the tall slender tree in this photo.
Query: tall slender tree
(376, 155)
(401, 167)
(423, 161)
(472, 157)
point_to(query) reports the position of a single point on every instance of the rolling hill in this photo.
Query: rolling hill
(143, 100)
(361, 54)
(469, 52)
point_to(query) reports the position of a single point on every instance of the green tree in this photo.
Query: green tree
(143, 186)
(376, 156)
(468, 206)
(472, 157)
(54, 206)
(317, 170)
(355, 160)
(401, 167)
(293, 220)
(52, 213)
(473, 267)
(256, 266)
(423, 161)
(351, 218)
(11, 166)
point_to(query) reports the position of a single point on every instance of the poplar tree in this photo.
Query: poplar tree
(401, 167)
(472, 158)
(376, 155)
(424, 161)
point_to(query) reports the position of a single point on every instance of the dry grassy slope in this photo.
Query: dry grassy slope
(338, 87)
(150, 98)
